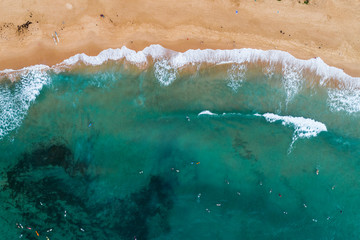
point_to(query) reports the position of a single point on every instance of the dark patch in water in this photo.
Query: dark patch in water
(53, 156)
(49, 181)
(136, 214)
(44, 184)
(241, 147)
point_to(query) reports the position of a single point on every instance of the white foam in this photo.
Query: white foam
(164, 73)
(292, 80)
(12, 74)
(244, 55)
(269, 71)
(106, 55)
(207, 112)
(347, 100)
(156, 51)
(16, 100)
(236, 75)
(303, 127)
(178, 59)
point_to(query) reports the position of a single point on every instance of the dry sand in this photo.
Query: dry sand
(329, 29)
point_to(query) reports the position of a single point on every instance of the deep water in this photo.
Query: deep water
(118, 152)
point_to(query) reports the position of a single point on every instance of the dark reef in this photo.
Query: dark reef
(51, 189)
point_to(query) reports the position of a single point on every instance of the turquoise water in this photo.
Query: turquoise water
(112, 153)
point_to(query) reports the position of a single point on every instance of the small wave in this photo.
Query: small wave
(207, 112)
(303, 127)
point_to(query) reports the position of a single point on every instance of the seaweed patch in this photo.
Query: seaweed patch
(22, 27)
(241, 147)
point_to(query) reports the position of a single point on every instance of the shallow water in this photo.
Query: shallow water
(118, 152)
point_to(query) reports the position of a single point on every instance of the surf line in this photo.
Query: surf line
(303, 127)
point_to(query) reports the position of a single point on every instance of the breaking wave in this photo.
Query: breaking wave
(15, 99)
(207, 112)
(15, 102)
(167, 63)
(303, 127)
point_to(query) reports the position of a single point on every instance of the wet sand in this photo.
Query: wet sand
(323, 28)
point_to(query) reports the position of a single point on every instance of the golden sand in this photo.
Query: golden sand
(329, 29)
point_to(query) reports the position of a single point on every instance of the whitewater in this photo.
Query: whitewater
(168, 64)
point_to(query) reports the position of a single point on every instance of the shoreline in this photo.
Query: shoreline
(316, 67)
(260, 24)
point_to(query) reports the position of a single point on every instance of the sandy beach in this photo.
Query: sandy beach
(322, 28)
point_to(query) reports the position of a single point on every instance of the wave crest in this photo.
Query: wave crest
(303, 127)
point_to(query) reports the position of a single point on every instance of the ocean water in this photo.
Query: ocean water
(162, 145)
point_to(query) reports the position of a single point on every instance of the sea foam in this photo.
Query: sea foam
(346, 99)
(236, 76)
(16, 99)
(179, 59)
(164, 73)
(292, 80)
(303, 127)
(170, 61)
(167, 63)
